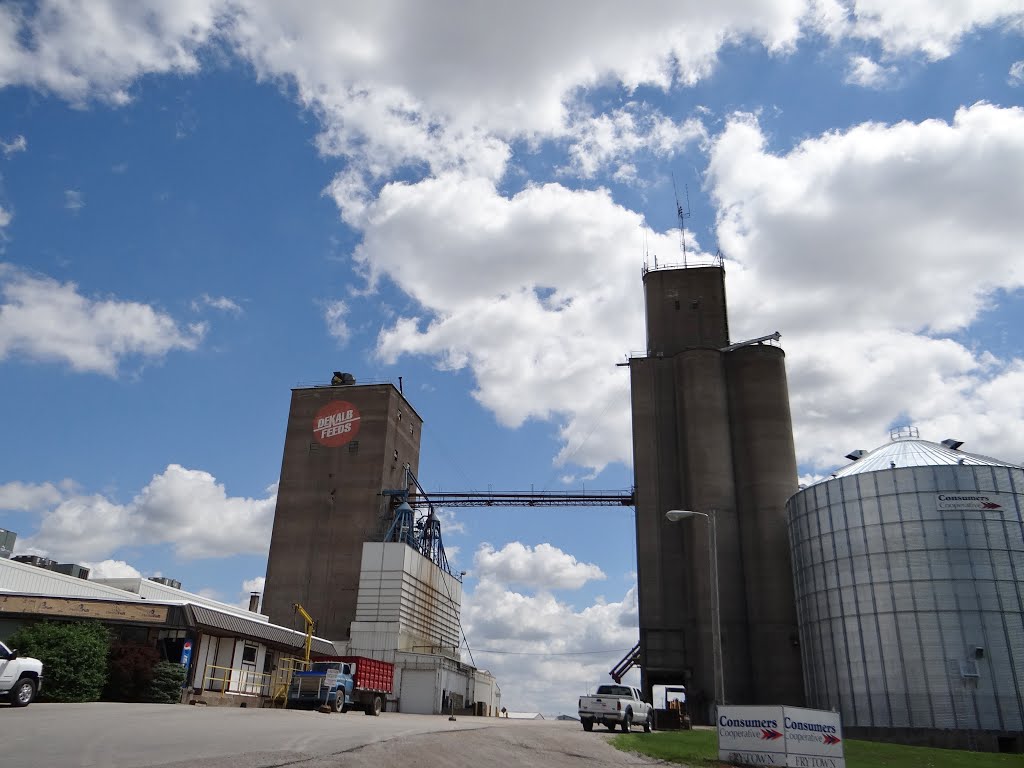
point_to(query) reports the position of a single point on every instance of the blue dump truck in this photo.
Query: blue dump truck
(341, 683)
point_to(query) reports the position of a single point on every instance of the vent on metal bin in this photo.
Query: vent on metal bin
(969, 669)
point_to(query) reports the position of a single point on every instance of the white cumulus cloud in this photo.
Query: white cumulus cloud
(185, 508)
(45, 320)
(537, 294)
(111, 569)
(84, 49)
(867, 73)
(543, 567)
(610, 141)
(445, 87)
(548, 652)
(223, 303)
(17, 496)
(931, 27)
(16, 144)
(1016, 76)
(335, 315)
(73, 200)
(863, 248)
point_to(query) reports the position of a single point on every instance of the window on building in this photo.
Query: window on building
(249, 653)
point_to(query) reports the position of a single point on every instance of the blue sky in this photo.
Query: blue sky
(202, 206)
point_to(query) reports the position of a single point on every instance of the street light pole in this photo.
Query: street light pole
(716, 617)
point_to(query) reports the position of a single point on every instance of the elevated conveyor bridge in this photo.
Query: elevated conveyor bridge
(452, 500)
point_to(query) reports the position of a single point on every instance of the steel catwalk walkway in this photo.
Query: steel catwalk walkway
(531, 499)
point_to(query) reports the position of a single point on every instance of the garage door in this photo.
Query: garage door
(419, 692)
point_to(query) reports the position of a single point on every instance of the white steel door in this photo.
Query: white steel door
(419, 692)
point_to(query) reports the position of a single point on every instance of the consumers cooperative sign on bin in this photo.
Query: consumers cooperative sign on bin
(789, 736)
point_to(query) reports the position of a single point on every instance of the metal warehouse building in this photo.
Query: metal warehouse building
(909, 573)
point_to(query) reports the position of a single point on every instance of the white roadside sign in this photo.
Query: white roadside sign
(814, 738)
(751, 736)
(789, 736)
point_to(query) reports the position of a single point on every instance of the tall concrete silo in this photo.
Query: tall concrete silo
(909, 573)
(343, 445)
(712, 432)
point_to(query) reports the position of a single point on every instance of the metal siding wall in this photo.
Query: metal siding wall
(31, 579)
(398, 585)
(927, 586)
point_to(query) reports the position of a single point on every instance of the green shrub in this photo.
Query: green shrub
(74, 657)
(130, 672)
(165, 687)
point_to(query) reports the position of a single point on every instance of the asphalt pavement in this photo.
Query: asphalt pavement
(106, 735)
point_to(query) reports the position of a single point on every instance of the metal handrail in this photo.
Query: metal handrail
(247, 682)
(282, 677)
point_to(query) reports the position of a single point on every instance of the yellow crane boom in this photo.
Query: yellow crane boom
(310, 626)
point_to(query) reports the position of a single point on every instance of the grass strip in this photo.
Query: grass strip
(699, 748)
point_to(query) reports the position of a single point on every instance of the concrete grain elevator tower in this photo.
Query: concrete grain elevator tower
(344, 444)
(712, 433)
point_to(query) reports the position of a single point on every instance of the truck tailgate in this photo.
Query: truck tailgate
(599, 704)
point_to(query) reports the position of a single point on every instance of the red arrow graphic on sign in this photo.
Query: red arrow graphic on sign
(830, 739)
(768, 733)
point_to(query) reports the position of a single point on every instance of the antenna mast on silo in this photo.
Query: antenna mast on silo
(682, 214)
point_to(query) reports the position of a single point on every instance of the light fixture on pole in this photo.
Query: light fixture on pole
(674, 515)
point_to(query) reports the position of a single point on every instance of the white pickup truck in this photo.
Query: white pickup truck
(614, 705)
(20, 677)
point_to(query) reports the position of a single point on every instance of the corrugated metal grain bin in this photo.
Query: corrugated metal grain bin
(909, 573)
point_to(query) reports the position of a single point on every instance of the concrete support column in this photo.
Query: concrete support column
(706, 483)
(764, 463)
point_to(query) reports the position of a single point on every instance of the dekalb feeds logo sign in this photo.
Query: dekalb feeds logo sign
(336, 423)
(790, 736)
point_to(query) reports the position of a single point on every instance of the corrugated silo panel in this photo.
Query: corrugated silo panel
(870, 510)
(997, 658)
(1015, 643)
(1001, 480)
